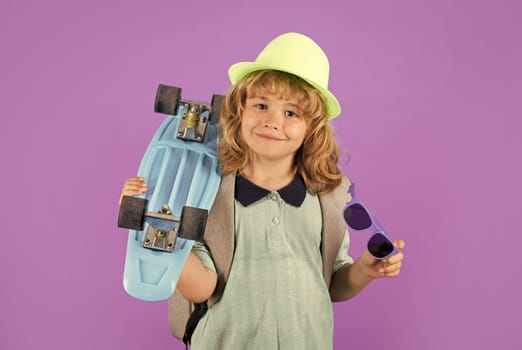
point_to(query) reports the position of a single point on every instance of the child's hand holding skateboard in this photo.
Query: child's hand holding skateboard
(134, 186)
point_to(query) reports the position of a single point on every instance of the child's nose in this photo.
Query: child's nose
(272, 120)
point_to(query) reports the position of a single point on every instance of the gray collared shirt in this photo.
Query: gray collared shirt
(275, 297)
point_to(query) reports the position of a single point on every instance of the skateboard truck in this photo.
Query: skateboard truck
(196, 115)
(161, 233)
(163, 227)
(193, 125)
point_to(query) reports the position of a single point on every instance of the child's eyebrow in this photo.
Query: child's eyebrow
(260, 97)
(291, 103)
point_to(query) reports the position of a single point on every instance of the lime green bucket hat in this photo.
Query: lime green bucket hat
(296, 54)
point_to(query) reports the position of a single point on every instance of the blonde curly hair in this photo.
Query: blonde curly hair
(316, 159)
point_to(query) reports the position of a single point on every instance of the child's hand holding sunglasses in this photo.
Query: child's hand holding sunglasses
(383, 257)
(387, 267)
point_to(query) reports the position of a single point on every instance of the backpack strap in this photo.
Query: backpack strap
(334, 227)
(199, 311)
(219, 235)
(180, 310)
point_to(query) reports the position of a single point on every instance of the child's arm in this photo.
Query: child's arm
(351, 279)
(196, 282)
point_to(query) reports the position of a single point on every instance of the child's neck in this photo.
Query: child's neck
(268, 176)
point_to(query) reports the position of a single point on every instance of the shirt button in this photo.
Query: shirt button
(276, 220)
(273, 197)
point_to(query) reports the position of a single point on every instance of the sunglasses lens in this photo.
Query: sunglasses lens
(380, 246)
(357, 217)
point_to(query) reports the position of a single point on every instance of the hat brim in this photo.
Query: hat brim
(237, 71)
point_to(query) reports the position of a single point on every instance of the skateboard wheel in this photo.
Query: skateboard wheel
(192, 223)
(167, 99)
(132, 213)
(217, 102)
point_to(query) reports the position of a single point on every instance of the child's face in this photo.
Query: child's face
(273, 127)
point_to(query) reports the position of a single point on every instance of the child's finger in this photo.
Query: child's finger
(399, 243)
(135, 187)
(395, 258)
(134, 181)
(391, 270)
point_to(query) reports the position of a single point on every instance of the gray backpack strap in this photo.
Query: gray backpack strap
(334, 227)
(219, 237)
(180, 310)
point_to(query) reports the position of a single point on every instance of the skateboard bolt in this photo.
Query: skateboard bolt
(165, 209)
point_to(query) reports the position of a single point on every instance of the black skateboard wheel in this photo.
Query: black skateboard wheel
(217, 102)
(192, 223)
(167, 99)
(132, 213)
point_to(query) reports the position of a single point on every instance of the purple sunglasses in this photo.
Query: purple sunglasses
(358, 217)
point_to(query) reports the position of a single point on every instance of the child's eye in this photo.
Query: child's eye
(260, 106)
(291, 114)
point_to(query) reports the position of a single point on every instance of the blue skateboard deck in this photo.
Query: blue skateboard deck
(181, 169)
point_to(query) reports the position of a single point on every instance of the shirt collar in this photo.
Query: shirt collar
(247, 192)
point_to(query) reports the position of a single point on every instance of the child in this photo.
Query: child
(275, 252)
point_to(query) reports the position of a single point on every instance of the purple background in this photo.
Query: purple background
(431, 98)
